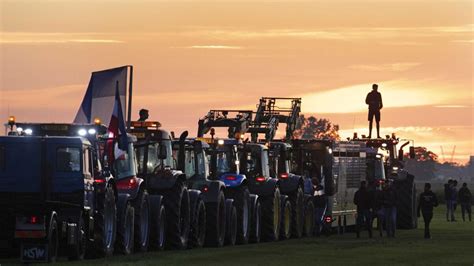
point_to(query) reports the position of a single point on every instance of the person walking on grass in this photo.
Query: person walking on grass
(447, 198)
(363, 202)
(465, 198)
(426, 203)
(454, 199)
(389, 201)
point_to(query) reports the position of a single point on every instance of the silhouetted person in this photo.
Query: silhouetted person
(374, 100)
(447, 198)
(454, 199)
(143, 115)
(465, 198)
(389, 204)
(363, 201)
(426, 203)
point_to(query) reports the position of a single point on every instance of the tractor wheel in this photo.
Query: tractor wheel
(177, 216)
(105, 226)
(216, 221)
(297, 213)
(53, 240)
(406, 203)
(142, 221)
(309, 218)
(197, 234)
(158, 228)
(286, 221)
(78, 250)
(126, 230)
(271, 216)
(231, 230)
(256, 225)
(241, 198)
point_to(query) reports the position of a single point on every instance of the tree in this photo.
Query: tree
(312, 127)
(424, 164)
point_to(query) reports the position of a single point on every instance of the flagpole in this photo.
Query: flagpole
(129, 114)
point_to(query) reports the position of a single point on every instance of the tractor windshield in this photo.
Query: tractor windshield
(225, 160)
(125, 164)
(148, 157)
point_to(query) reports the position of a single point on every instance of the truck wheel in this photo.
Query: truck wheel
(142, 221)
(297, 213)
(78, 250)
(271, 216)
(53, 240)
(197, 234)
(406, 203)
(215, 218)
(158, 229)
(106, 225)
(126, 230)
(241, 196)
(286, 220)
(177, 216)
(255, 226)
(231, 230)
(309, 218)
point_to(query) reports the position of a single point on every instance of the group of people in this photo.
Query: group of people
(382, 204)
(379, 203)
(453, 196)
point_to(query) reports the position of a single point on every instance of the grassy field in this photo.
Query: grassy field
(452, 244)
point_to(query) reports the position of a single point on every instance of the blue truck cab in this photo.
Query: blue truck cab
(47, 192)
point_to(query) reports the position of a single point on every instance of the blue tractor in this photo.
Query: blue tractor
(56, 194)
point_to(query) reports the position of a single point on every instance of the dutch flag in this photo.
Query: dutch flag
(117, 128)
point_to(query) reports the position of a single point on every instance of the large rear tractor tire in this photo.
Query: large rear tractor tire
(142, 221)
(158, 228)
(297, 215)
(256, 223)
(197, 234)
(126, 230)
(216, 222)
(309, 218)
(241, 196)
(406, 203)
(231, 230)
(271, 216)
(105, 225)
(286, 220)
(78, 250)
(177, 216)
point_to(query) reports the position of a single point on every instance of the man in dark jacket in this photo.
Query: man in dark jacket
(363, 202)
(389, 204)
(374, 101)
(465, 198)
(447, 198)
(426, 203)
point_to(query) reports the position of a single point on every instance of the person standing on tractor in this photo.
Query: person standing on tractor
(143, 115)
(389, 203)
(465, 198)
(363, 202)
(374, 101)
(426, 203)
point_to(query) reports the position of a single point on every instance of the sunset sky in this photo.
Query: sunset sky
(191, 56)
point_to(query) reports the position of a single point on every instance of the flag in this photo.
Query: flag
(99, 99)
(117, 126)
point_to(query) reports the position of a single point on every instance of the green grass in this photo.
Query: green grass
(452, 244)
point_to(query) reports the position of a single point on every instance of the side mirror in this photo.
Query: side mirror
(412, 152)
(162, 153)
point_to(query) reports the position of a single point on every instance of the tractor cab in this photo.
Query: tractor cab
(280, 159)
(255, 163)
(195, 159)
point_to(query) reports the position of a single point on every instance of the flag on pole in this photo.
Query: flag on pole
(116, 127)
(99, 99)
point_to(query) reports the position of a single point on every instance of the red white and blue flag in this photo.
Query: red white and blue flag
(117, 128)
(100, 95)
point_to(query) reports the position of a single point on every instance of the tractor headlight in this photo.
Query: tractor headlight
(19, 130)
(82, 132)
(92, 131)
(28, 131)
(220, 142)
